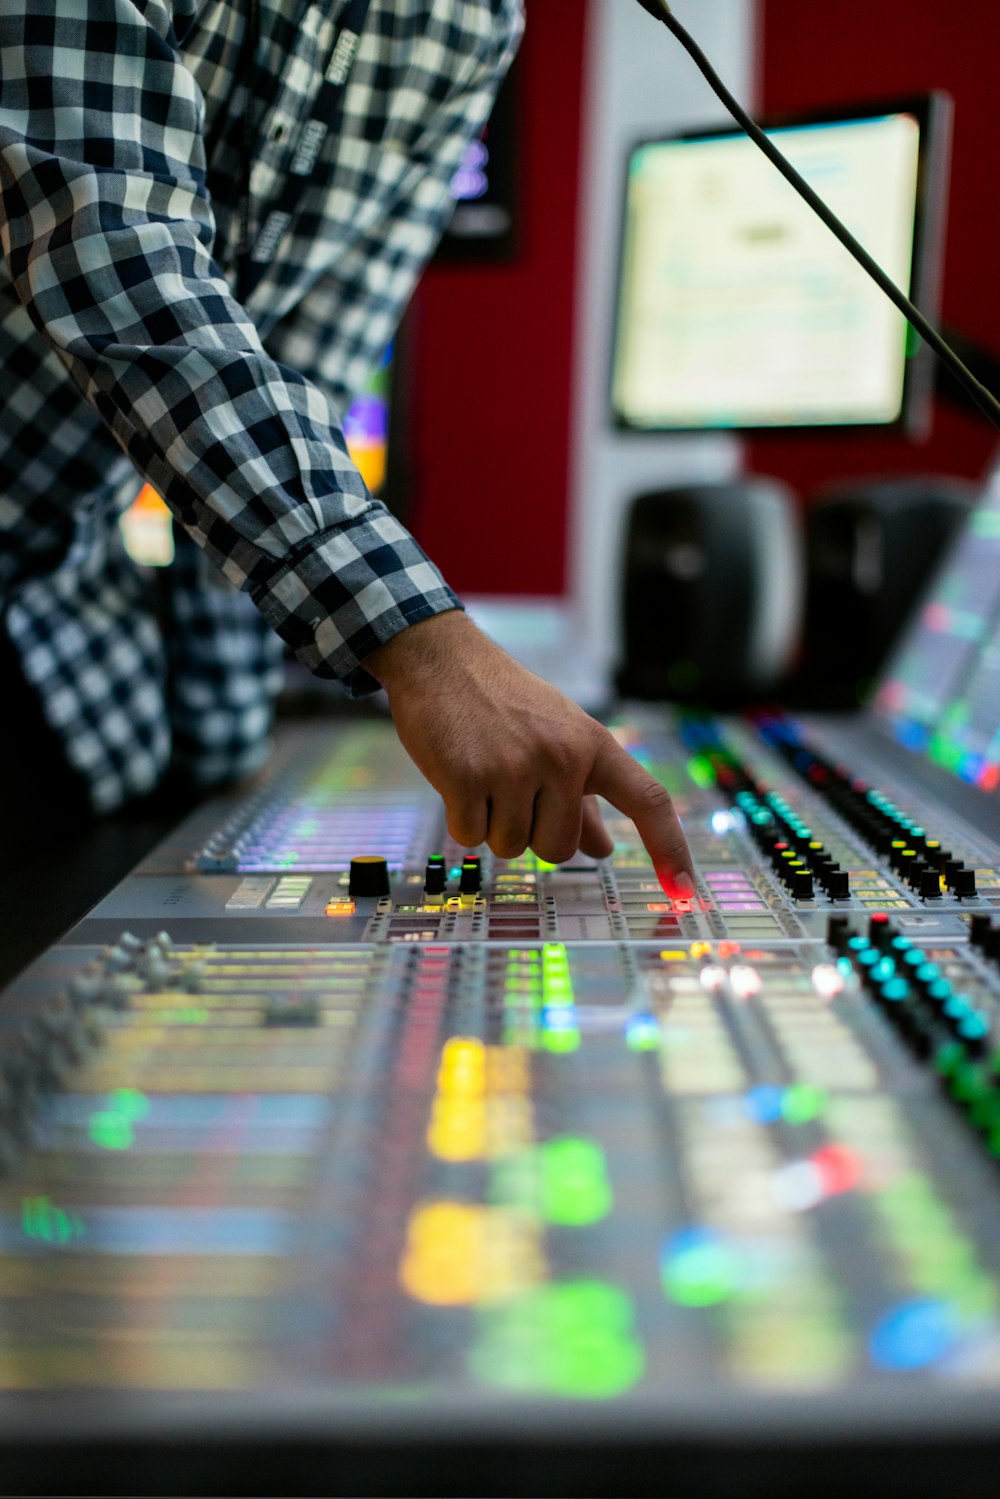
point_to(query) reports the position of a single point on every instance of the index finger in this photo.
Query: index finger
(623, 782)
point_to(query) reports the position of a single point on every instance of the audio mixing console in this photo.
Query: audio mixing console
(321, 1134)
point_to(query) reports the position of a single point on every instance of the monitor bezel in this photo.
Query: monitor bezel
(933, 111)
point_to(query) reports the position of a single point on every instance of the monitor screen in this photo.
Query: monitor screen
(737, 307)
(940, 694)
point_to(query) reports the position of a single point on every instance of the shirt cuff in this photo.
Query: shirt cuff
(355, 588)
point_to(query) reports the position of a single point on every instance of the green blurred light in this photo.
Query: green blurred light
(699, 768)
(572, 1339)
(642, 1033)
(560, 1041)
(41, 1219)
(110, 1131)
(559, 996)
(128, 1103)
(702, 1274)
(575, 1187)
(802, 1102)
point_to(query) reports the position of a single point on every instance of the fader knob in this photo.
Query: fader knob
(434, 877)
(369, 875)
(979, 928)
(471, 881)
(837, 932)
(962, 881)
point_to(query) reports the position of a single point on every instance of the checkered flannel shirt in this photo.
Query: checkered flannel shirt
(124, 350)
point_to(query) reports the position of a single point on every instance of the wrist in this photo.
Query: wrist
(422, 647)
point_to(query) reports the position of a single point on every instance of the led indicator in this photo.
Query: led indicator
(698, 1268)
(575, 1186)
(111, 1128)
(765, 1104)
(839, 1168)
(110, 1131)
(41, 1219)
(802, 1103)
(573, 1339)
(442, 1262)
(642, 1033)
(128, 1103)
(913, 1335)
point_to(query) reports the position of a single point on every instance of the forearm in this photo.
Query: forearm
(108, 237)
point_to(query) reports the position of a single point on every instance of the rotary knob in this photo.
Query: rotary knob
(369, 876)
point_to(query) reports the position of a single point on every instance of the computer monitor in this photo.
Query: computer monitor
(738, 309)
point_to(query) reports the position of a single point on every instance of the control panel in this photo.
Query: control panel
(318, 1101)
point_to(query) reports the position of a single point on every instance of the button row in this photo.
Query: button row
(921, 861)
(369, 876)
(937, 1023)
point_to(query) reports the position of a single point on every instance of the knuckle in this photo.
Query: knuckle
(654, 797)
(563, 756)
(514, 767)
(464, 829)
(507, 845)
(555, 850)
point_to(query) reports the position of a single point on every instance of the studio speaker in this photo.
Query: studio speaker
(871, 547)
(711, 591)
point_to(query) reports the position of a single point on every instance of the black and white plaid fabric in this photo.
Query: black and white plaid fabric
(123, 349)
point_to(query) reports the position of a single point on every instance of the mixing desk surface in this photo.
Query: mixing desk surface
(341, 1159)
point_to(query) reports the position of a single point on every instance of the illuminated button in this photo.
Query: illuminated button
(879, 928)
(340, 908)
(369, 875)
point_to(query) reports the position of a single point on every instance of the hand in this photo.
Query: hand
(516, 763)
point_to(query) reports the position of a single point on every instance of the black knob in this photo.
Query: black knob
(880, 930)
(980, 925)
(471, 881)
(369, 875)
(434, 877)
(963, 882)
(837, 932)
(990, 943)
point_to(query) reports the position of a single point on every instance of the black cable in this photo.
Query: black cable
(983, 398)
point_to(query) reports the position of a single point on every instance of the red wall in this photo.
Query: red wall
(491, 351)
(492, 345)
(863, 49)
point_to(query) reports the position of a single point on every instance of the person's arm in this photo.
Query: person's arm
(107, 235)
(516, 764)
